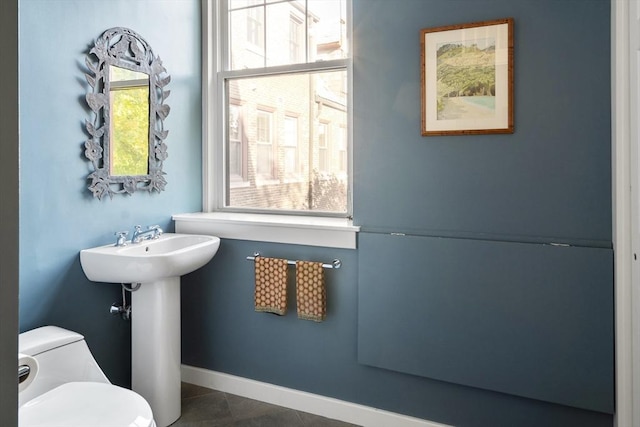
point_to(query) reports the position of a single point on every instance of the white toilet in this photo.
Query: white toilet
(69, 388)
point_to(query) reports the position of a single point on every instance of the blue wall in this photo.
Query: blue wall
(489, 289)
(548, 182)
(58, 215)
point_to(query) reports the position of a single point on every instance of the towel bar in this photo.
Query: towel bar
(336, 263)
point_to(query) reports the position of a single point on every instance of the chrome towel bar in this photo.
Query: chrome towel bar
(336, 263)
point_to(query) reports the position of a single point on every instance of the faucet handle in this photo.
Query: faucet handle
(157, 231)
(121, 238)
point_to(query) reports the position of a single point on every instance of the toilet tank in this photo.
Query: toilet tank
(63, 356)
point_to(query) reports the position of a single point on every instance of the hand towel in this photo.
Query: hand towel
(271, 285)
(311, 294)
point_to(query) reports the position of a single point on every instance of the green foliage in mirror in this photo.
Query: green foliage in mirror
(130, 131)
(129, 96)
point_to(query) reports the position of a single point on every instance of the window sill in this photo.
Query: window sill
(290, 229)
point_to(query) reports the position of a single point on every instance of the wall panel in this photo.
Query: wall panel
(531, 320)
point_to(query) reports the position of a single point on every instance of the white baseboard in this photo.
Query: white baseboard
(301, 401)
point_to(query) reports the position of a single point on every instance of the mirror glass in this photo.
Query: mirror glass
(129, 106)
(126, 95)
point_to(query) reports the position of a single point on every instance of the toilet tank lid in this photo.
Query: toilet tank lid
(45, 338)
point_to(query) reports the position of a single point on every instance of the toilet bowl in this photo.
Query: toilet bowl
(70, 389)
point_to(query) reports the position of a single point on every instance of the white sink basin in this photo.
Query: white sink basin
(171, 255)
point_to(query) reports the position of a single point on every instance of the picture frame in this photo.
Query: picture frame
(467, 78)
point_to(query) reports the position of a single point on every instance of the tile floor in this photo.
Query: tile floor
(203, 407)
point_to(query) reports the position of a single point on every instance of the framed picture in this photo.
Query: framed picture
(467, 78)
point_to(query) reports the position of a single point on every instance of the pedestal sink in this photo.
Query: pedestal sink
(155, 321)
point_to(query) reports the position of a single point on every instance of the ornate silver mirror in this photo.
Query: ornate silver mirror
(126, 129)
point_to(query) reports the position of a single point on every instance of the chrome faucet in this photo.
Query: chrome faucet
(152, 232)
(121, 238)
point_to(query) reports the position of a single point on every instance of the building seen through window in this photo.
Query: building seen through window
(284, 78)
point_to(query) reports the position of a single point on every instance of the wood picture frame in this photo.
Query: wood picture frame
(467, 78)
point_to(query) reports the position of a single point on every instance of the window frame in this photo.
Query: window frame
(215, 167)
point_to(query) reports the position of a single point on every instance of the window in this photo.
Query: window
(264, 146)
(322, 148)
(295, 27)
(237, 148)
(342, 150)
(285, 62)
(255, 25)
(290, 146)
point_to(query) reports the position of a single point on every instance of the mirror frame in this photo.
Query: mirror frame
(124, 48)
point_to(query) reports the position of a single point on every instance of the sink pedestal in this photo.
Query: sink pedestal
(155, 347)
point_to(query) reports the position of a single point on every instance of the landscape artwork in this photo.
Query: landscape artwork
(467, 78)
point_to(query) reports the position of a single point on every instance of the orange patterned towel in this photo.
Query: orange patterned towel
(271, 285)
(311, 294)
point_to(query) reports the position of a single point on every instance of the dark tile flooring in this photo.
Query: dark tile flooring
(203, 407)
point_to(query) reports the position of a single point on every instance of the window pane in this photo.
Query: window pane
(255, 27)
(322, 147)
(264, 141)
(263, 34)
(286, 141)
(342, 147)
(296, 40)
(290, 146)
(236, 171)
(265, 161)
(279, 19)
(246, 35)
(235, 159)
(327, 30)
